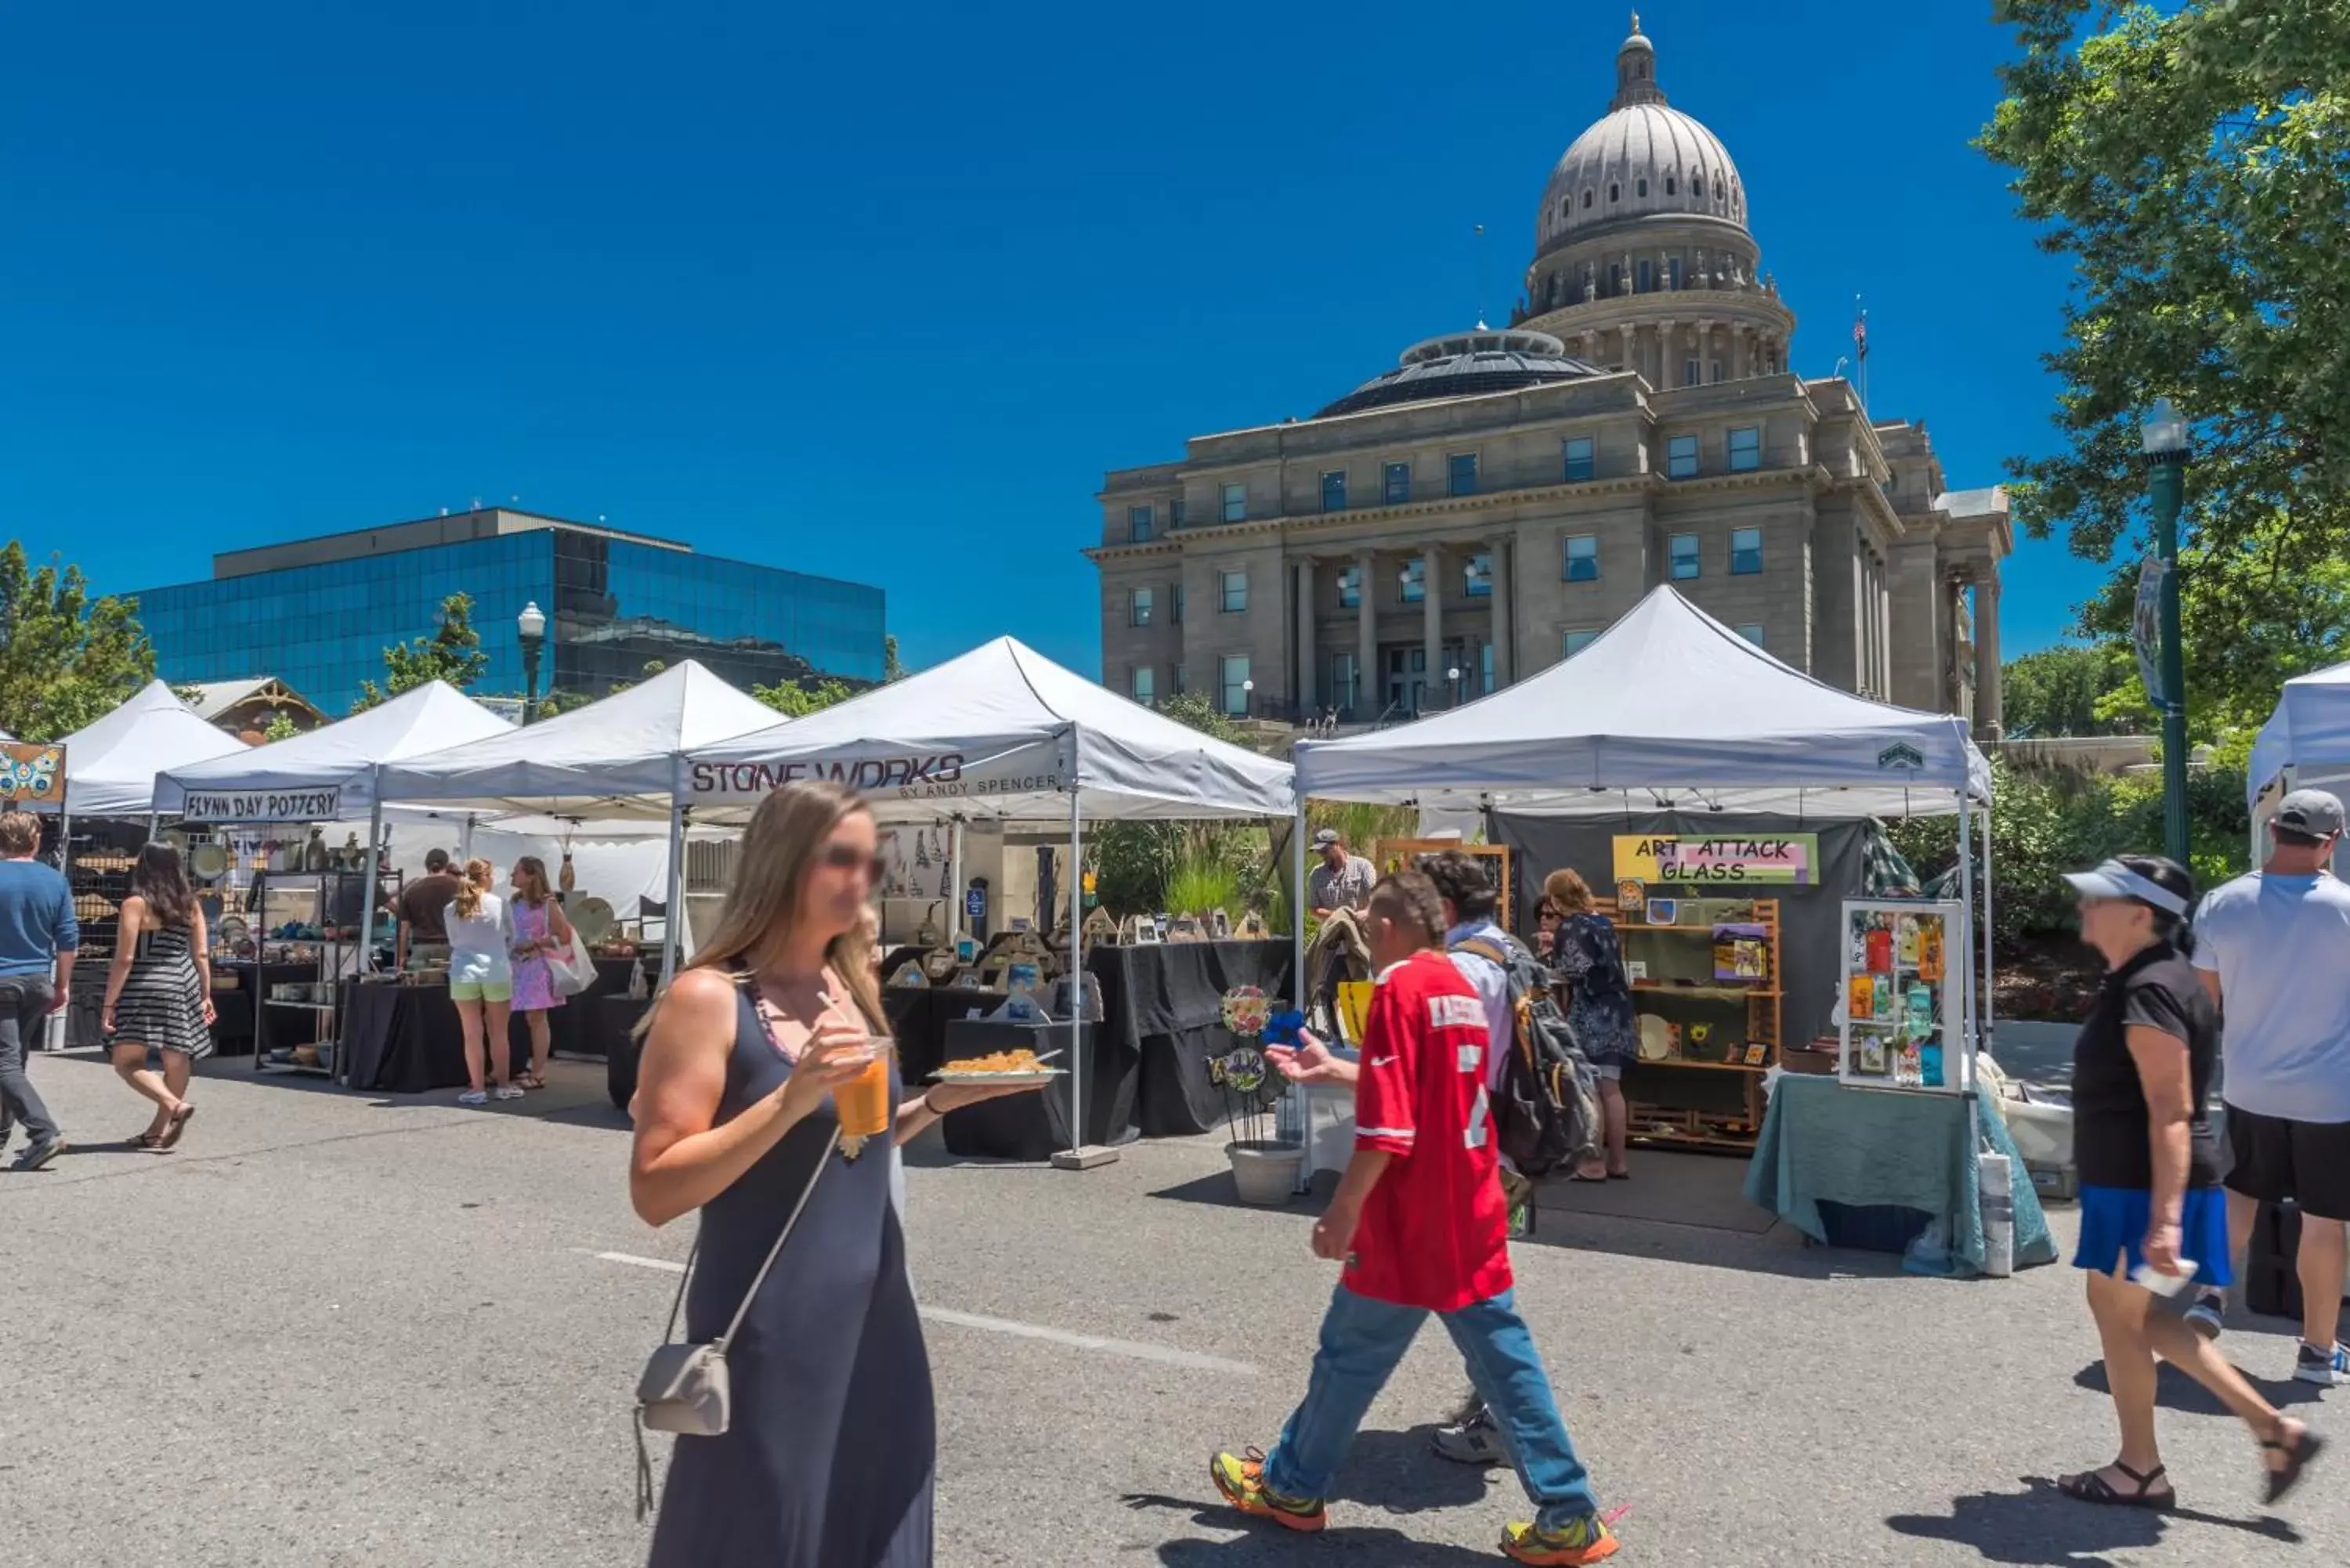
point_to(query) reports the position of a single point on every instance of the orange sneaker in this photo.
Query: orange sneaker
(1240, 1478)
(1587, 1539)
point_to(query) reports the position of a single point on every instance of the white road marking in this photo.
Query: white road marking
(1133, 1350)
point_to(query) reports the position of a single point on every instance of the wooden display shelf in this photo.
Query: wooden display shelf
(1703, 1114)
(1703, 992)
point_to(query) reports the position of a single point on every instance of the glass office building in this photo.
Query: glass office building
(319, 614)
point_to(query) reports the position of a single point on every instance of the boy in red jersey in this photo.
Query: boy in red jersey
(1421, 1224)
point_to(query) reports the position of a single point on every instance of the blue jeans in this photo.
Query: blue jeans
(1362, 1341)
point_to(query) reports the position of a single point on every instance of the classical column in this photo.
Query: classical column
(1668, 373)
(1432, 604)
(1301, 682)
(1505, 618)
(1367, 631)
(1987, 708)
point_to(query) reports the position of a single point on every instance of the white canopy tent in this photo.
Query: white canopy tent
(613, 758)
(1003, 734)
(1668, 709)
(111, 763)
(2305, 745)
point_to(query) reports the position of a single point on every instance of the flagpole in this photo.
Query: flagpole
(1860, 347)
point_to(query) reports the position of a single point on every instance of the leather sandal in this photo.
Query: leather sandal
(178, 1125)
(2091, 1486)
(2297, 1452)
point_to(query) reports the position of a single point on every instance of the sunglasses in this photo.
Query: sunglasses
(848, 857)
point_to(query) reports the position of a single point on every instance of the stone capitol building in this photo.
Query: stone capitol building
(1500, 497)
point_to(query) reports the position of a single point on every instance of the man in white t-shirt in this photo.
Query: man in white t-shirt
(2273, 949)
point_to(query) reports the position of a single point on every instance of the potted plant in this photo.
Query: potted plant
(1264, 1169)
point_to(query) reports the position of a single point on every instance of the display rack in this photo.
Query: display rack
(276, 895)
(1708, 1092)
(1902, 1006)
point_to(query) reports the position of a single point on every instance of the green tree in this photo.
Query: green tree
(2056, 691)
(66, 659)
(797, 700)
(890, 668)
(281, 727)
(2194, 163)
(452, 654)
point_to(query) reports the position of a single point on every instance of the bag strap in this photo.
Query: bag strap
(668, 1335)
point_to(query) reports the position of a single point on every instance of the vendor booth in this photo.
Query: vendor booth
(106, 812)
(1712, 796)
(593, 768)
(302, 903)
(1003, 736)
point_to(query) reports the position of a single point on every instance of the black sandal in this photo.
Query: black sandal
(2297, 1456)
(2091, 1486)
(170, 1138)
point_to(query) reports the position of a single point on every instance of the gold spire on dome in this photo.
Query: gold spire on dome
(1635, 70)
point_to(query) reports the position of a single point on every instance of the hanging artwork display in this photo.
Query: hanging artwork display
(1903, 1022)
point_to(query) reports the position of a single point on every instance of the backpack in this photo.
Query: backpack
(1547, 1108)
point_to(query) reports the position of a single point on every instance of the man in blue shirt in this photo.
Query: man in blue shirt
(2273, 950)
(37, 942)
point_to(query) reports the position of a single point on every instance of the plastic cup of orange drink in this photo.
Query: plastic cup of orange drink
(863, 1103)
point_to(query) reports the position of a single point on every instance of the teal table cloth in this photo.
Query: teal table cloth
(1823, 1142)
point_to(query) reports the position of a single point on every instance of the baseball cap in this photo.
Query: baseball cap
(2310, 810)
(2114, 880)
(1329, 836)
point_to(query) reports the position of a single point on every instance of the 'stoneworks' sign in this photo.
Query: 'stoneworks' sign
(937, 775)
(264, 806)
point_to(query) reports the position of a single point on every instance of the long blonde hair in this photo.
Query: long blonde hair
(476, 883)
(1566, 890)
(533, 890)
(788, 833)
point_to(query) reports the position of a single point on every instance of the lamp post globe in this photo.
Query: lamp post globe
(530, 630)
(1248, 698)
(2163, 438)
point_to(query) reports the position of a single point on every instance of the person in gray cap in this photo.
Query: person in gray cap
(1342, 881)
(2272, 947)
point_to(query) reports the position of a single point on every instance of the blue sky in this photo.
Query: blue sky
(880, 292)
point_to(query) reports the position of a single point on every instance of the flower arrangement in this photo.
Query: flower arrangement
(1247, 1081)
(1247, 1010)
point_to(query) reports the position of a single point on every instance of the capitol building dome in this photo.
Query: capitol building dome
(1648, 203)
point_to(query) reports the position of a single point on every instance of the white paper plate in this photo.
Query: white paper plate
(592, 918)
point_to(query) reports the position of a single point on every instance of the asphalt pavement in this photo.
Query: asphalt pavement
(337, 1331)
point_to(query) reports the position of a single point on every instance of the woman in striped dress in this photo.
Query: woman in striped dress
(159, 990)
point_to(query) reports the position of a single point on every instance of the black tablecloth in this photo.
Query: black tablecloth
(406, 1038)
(1037, 1126)
(1164, 1002)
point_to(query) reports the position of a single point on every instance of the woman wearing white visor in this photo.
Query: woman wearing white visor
(2152, 1213)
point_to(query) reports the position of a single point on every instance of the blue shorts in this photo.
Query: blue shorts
(2113, 1225)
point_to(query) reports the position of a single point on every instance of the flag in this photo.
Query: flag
(1860, 332)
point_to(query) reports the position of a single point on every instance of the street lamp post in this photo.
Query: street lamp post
(2164, 441)
(1453, 677)
(1248, 699)
(531, 627)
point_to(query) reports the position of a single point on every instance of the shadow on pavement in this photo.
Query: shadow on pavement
(1269, 1543)
(2041, 1525)
(2174, 1390)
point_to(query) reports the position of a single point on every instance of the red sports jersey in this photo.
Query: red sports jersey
(1434, 1231)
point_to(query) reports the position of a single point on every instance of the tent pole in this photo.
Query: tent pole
(154, 825)
(954, 880)
(366, 928)
(1964, 1078)
(1989, 1009)
(465, 840)
(1298, 981)
(1076, 976)
(674, 921)
(58, 1032)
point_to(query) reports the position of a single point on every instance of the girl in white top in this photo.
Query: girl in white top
(481, 980)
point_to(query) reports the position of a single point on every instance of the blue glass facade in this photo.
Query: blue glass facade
(613, 605)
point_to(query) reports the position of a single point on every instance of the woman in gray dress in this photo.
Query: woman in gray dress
(159, 992)
(828, 1460)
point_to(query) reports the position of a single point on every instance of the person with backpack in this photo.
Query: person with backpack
(1420, 1226)
(1588, 959)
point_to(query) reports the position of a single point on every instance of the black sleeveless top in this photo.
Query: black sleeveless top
(830, 1459)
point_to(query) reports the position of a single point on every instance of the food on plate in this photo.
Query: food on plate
(999, 1062)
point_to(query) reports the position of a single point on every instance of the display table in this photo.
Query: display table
(406, 1039)
(1164, 1002)
(1036, 1126)
(1823, 1143)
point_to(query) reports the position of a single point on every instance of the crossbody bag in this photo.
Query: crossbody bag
(685, 1388)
